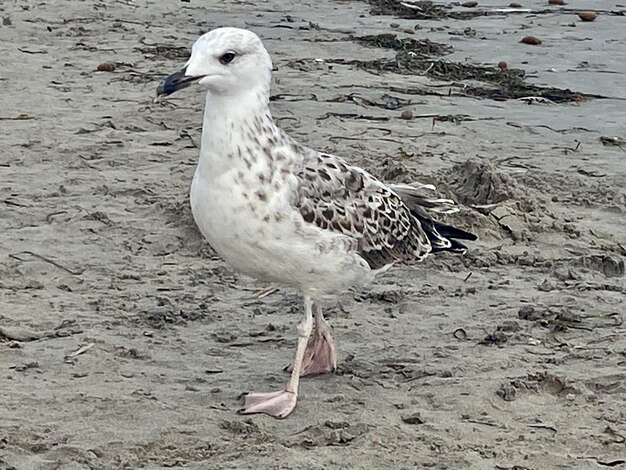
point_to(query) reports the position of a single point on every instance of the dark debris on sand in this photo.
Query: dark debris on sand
(423, 47)
(424, 10)
(415, 57)
(427, 10)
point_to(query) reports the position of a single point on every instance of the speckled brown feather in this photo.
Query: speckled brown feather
(348, 200)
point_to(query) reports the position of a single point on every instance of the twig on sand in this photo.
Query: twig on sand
(47, 260)
(19, 117)
(543, 426)
(260, 294)
(81, 350)
(412, 7)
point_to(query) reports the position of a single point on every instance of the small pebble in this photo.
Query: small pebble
(460, 333)
(29, 365)
(508, 392)
(587, 15)
(406, 114)
(532, 40)
(557, 2)
(469, 4)
(107, 67)
(6, 21)
(502, 65)
(97, 452)
(409, 31)
(394, 25)
(515, 5)
(510, 326)
(413, 418)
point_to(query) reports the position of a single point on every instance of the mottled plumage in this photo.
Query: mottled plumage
(388, 222)
(278, 211)
(345, 199)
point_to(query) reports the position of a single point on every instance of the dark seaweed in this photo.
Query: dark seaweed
(408, 45)
(415, 57)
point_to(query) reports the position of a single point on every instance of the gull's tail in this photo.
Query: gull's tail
(442, 237)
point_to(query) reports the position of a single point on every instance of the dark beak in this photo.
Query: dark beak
(176, 81)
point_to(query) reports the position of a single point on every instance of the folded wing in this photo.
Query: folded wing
(389, 223)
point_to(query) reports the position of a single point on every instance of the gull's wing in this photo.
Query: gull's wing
(345, 199)
(389, 223)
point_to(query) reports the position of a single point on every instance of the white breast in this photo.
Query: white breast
(267, 239)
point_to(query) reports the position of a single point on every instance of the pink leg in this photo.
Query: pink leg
(320, 356)
(280, 404)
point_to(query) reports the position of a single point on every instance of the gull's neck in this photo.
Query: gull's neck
(233, 128)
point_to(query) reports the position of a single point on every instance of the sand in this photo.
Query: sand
(125, 342)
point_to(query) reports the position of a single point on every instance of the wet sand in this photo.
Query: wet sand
(125, 342)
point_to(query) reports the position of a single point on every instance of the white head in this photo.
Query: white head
(227, 61)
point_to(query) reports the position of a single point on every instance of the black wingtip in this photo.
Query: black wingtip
(455, 247)
(448, 231)
(443, 237)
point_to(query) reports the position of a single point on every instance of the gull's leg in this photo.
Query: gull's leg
(320, 356)
(280, 404)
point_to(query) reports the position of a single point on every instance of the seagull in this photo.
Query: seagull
(284, 213)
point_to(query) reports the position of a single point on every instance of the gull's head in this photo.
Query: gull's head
(227, 61)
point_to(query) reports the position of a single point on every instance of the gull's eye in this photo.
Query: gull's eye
(227, 58)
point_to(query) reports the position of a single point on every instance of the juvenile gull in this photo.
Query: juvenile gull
(281, 212)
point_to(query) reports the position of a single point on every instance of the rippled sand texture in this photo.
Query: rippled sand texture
(125, 342)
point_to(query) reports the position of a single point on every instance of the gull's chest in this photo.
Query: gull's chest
(241, 212)
(227, 206)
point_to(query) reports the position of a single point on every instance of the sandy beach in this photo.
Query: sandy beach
(126, 342)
